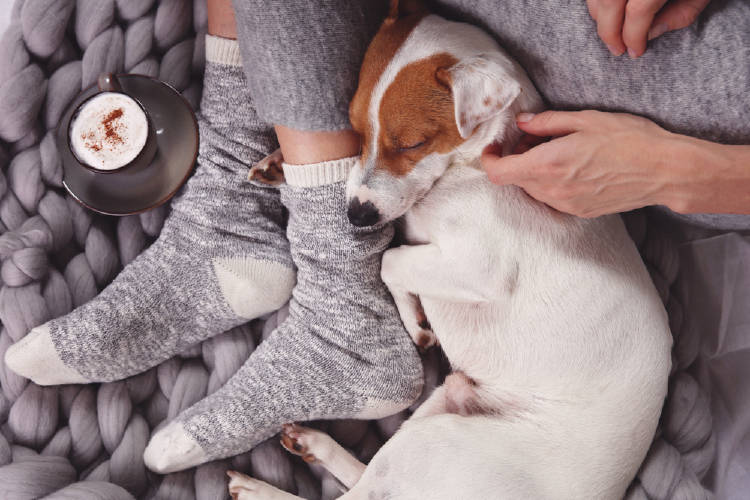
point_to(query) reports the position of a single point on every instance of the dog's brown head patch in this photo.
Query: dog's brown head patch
(416, 116)
(391, 35)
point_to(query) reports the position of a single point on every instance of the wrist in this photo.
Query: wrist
(708, 177)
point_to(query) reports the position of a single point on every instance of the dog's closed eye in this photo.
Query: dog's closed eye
(412, 146)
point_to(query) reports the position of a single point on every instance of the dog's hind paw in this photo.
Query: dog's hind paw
(299, 440)
(268, 171)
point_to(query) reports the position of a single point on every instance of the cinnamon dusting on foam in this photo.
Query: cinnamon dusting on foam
(111, 137)
(109, 131)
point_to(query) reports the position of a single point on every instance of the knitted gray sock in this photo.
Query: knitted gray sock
(222, 257)
(341, 353)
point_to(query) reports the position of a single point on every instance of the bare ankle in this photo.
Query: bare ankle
(301, 147)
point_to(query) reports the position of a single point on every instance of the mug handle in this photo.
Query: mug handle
(108, 82)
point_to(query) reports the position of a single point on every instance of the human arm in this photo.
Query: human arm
(599, 163)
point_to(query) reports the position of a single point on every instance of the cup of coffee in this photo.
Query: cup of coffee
(111, 130)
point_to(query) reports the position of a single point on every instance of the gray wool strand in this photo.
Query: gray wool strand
(55, 255)
(91, 490)
(684, 447)
(43, 23)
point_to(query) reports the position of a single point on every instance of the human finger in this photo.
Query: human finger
(676, 15)
(511, 169)
(526, 142)
(554, 123)
(639, 16)
(610, 15)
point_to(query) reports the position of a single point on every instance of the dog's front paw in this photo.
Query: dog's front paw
(242, 487)
(414, 319)
(424, 338)
(268, 171)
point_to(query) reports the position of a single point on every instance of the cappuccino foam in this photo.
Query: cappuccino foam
(109, 131)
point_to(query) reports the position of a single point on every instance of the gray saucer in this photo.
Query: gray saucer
(138, 188)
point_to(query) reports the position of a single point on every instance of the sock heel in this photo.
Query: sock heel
(253, 287)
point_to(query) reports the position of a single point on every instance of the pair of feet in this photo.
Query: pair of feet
(224, 257)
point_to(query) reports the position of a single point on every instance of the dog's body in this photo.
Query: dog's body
(560, 338)
(559, 342)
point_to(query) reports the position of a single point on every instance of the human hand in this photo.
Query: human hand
(598, 163)
(629, 24)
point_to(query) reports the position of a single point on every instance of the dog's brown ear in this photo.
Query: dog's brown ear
(403, 8)
(482, 86)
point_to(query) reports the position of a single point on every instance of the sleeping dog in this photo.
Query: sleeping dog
(558, 341)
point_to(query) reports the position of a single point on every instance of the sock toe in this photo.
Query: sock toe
(172, 449)
(36, 358)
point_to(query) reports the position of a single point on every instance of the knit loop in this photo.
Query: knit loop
(176, 66)
(35, 477)
(139, 38)
(172, 23)
(84, 428)
(91, 490)
(21, 309)
(60, 444)
(64, 85)
(44, 23)
(211, 480)
(13, 52)
(126, 466)
(103, 55)
(92, 18)
(131, 239)
(25, 266)
(21, 97)
(133, 9)
(114, 410)
(189, 387)
(33, 417)
(11, 384)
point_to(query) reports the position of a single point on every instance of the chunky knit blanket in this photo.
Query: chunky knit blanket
(86, 442)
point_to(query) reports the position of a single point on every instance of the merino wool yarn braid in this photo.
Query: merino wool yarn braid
(87, 442)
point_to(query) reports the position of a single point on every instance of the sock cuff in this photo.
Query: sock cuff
(318, 174)
(223, 51)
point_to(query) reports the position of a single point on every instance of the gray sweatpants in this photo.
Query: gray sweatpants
(302, 59)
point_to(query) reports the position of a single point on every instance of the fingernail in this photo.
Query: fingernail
(657, 30)
(615, 51)
(632, 53)
(525, 117)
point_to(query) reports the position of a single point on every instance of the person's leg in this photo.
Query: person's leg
(222, 257)
(342, 352)
(221, 19)
(301, 147)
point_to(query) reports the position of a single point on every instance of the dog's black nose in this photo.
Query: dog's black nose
(362, 214)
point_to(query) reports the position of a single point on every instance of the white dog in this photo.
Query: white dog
(558, 340)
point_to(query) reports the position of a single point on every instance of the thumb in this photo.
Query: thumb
(511, 169)
(676, 15)
(550, 123)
